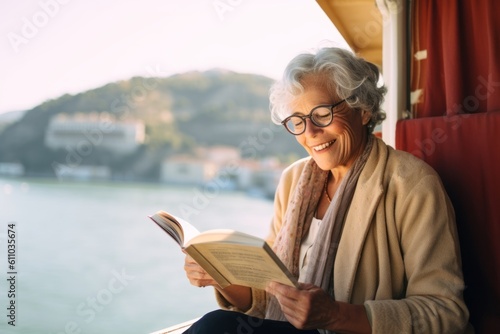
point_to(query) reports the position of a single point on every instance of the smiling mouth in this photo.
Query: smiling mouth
(323, 146)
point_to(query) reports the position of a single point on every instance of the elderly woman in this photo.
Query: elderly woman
(368, 230)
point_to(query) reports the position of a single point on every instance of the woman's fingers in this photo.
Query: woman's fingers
(196, 274)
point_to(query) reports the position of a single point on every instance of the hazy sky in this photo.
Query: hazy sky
(52, 47)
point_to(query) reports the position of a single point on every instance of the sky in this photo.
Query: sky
(52, 47)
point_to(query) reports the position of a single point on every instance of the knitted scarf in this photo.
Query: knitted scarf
(298, 218)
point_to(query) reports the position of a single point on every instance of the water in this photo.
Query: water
(90, 261)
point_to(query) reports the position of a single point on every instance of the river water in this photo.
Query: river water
(88, 260)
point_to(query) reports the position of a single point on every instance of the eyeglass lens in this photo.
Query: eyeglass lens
(321, 117)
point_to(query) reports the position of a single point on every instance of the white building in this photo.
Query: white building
(83, 173)
(223, 167)
(86, 132)
(206, 165)
(259, 177)
(187, 170)
(11, 169)
(220, 154)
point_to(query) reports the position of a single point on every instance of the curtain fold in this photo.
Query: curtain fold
(455, 56)
(463, 150)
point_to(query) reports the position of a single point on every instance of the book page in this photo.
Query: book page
(226, 235)
(245, 265)
(189, 231)
(179, 229)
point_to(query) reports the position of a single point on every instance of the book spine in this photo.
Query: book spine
(280, 264)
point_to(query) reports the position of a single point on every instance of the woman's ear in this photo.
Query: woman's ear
(366, 116)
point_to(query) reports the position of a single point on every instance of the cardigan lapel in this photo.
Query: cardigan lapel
(364, 204)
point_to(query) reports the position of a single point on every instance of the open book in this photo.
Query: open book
(230, 257)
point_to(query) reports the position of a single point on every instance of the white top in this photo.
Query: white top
(307, 244)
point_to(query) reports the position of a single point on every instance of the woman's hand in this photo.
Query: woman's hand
(306, 308)
(197, 275)
(236, 295)
(309, 307)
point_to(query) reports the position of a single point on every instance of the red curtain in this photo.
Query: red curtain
(460, 72)
(455, 93)
(464, 152)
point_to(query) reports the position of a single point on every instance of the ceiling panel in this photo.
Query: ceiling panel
(360, 23)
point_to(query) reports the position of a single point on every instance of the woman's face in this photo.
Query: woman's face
(341, 142)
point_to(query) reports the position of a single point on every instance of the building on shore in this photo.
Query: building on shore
(223, 168)
(94, 130)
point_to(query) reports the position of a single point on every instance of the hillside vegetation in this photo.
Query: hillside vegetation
(181, 112)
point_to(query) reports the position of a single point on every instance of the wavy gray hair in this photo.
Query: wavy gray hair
(341, 72)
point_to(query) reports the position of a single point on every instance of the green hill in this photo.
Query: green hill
(180, 112)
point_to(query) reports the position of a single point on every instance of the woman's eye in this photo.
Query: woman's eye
(322, 113)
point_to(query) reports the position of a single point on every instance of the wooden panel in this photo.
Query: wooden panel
(360, 23)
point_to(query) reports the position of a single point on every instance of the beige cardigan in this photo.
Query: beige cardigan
(399, 253)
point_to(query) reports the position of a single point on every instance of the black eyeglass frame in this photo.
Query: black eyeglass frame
(329, 106)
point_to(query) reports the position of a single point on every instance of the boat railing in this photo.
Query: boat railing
(176, 329)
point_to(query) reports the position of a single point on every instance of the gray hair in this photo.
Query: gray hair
(341, 72)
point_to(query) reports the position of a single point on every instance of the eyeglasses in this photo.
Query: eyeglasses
(320, 116)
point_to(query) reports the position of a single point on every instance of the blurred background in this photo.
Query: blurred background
(110, 111)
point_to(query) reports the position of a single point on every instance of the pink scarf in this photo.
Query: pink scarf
(298, 218)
